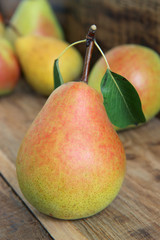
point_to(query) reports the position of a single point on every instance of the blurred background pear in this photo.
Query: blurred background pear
(138, 64)
(9, 67)
(1, 26)
(37, 55)
(34, 17)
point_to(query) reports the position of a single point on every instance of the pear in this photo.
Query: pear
(1, 26)
(141, 66)
(9, 67)
(37, 54)
(71, 163)
(34, 17)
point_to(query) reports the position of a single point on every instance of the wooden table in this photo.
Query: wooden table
(134, 214)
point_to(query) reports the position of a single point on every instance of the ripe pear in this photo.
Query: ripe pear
(138, 64)
(34, 17)
(9, 67)
(37, 54)
(71, 163)
(1, 26)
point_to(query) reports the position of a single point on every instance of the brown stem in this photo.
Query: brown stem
(89, 49)
(15, 30)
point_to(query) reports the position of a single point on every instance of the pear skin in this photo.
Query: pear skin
(37, 55)
(34, 17)
(1, 26)
(138, 64)
(9, 67)
(71, 163)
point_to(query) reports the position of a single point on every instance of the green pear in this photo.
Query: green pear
(71, 163)
(37, 54)
(34, 17)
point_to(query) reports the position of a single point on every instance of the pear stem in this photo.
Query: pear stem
(105, 59)
(89, 50)
(9, 24)
(71, 45)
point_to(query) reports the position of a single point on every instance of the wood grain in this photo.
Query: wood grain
(17, 111)
(58, 229)
(118, 22)
(134, 214)
(16, 222)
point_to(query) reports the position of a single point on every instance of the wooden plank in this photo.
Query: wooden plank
(60, 230)
(134, 214)
(17, 111)
(16, 222)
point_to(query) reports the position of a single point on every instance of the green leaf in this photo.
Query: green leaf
(121, 100)
(58, 80)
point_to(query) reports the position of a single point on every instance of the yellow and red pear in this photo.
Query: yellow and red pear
(138, 64)
(71, 163)
(34, 17)
(1, 26)
(9, 67)
(37, 55)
